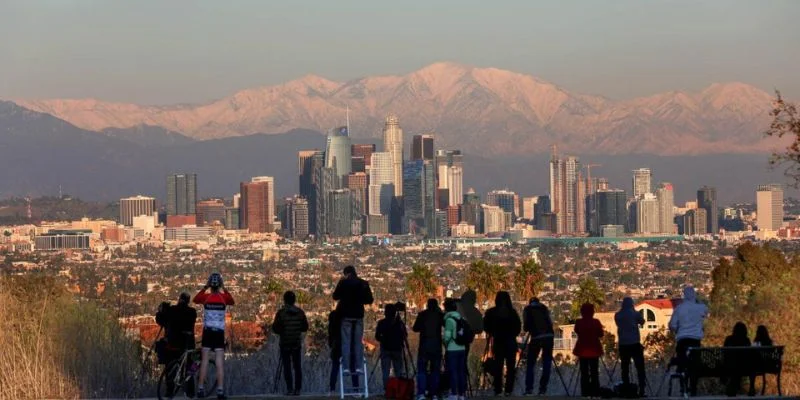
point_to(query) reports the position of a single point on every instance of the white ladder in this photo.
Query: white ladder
(362, 384)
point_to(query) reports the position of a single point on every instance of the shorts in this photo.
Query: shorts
(213, 339)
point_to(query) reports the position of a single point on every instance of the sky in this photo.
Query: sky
(176, 51)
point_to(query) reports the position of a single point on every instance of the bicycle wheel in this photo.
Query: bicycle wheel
(211, 379)
(168, 373)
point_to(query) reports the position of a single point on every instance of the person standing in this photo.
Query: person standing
(687, 325)
(588, 349)
(455, 353)
(470, 312)
(178, 323)
(503, 325)
(628, 321)
(214, 298)
(391, 334)
(352, 293)
(290, 323)
(429, 356)
(538, 323)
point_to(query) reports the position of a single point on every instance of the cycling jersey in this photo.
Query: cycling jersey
(214, 304)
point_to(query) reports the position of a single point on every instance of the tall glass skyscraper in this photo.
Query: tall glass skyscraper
(182, 194)
(707, 199)
(340, 213)
(338, 154)
(418, 196)
(381, 184)
(611, 208)
(393, 144)
(642, 182)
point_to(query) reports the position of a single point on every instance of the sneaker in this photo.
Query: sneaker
(528, 392)
(542, 392)
(359, 371)
(346, 371)
(201, 393)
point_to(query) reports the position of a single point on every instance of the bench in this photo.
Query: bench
(720, 362)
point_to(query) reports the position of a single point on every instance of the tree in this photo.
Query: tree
(420, 284)
(588, 292)
(786, 122)
(486, 279)
(528, 279)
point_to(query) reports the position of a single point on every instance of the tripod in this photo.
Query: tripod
(576, 375)
(278, 372)
(525, 353)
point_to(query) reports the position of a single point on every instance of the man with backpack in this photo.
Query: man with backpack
(352, 293)
(391, 334)
(539, 326)
(429, 356)
(215, 299)
(178, 323)
(457, 335)
(290, 323)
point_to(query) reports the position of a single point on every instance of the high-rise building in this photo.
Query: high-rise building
(707, 199)
(642, 182)
(528, 207)
(541, 208)
(422, 147)
(450, 174)
(210, 212)
(232, 218)
(364, 151)
(418, 196)
(666, 208)
(611, 209)
(694, 222)
(181, 194)
(471, 210)
(135, 206)
(358, 183)
(647, 217)
(337, 154)
(357, 164)
(503, 199)
(440, 228)
(298, 218)
(453, 215)
(567, 194)
(257, 208)
(494, 219)
(393, 144)
(340, 213)
(769, 207)
(381, 184)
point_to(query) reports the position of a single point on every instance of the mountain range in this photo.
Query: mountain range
(485, 111)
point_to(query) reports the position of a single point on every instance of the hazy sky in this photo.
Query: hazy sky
(164, 51)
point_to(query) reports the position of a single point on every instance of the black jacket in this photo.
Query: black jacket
(466, 307)
(429, 324)
(502, 323)
(178, 322)
(537, 321)
(352, 293)
(290, 323)
(390, 333)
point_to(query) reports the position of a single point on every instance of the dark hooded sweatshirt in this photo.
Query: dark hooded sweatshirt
(537, 321)
(589, 331)
(466, 307)
(290, 323)
(628, 321)
(502, 321)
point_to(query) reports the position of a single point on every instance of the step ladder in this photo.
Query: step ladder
(362, 390)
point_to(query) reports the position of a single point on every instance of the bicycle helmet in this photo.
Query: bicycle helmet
(215, 280)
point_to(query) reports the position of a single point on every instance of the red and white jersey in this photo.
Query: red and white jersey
(214, 304)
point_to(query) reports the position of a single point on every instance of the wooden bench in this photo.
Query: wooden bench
(719, 362)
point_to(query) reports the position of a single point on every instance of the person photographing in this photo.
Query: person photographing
(214, 298)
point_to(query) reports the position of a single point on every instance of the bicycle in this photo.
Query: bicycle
(185, 374)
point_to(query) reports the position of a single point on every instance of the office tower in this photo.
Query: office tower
(541, 208)
(453, 215)
(450, 174)
(377, 224)
(471, 209)
(503, 199)
(365, 152)
(666, 208)
(567, 194)
(337, 154)
(357, 164)
(769, 207)
(494, 219)
(418, 196)
(647, 217)
(440, 228)
(611, 209)
(528, 207)
(340, 213)
(642, 182)
(257, 208)
(358, 183)
(305, 169)
(135, 206)
(298, 218)
(602, 184)
(707, 199)
(422, 147)
(232, 218)
(210, 212)
(517, 209)
(694, 222)
(393, 144)
(181, 194)
(381, 184)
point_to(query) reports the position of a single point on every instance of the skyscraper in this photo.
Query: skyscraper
(135, 206)
(707, 199)
(494, 219)
(694, 222)
(666, 206)
(503, 199)
(769, 207)
(422, 147)
(305, 169)
(357, 182)
(298, 218)
(363, 150)
(450, 174)
(567, 194)
(528, 207)
(611, 209)
(210, 211)
(647, 216)
(642, 182)
(337, 154)
(393, 144)
(257, 208)
(381, 184)
(418, 196)
(181, 194)
(340, 213)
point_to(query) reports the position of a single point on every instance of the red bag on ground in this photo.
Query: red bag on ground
(400, 388)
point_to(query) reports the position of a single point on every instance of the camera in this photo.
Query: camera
(400, 306)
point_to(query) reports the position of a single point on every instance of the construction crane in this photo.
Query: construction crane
(589, 182)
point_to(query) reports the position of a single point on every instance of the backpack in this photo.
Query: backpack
(464, 333)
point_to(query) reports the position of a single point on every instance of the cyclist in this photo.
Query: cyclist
(178, 322)
(214, 298)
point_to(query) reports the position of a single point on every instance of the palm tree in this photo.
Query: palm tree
(588, 292)
(420, 284)
(486, 279)
(528, 279)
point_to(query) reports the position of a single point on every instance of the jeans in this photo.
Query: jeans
(457, 370)
(429, 364)
(505, 352)
(391, 359)
(683, 362)
(590, 376)
(290, 358)
(545, 346)
(336, 355)
(635, 352)
(352, 348)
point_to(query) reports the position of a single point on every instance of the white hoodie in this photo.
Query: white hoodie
(687, 319)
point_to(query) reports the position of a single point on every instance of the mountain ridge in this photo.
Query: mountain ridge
(491, 110)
